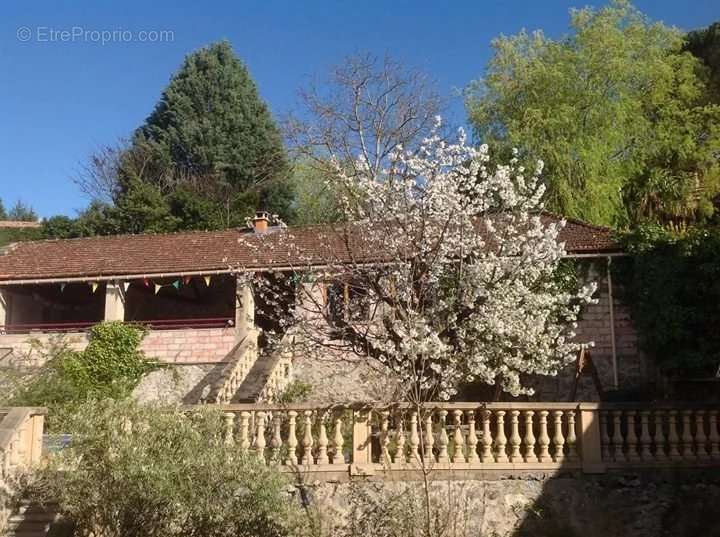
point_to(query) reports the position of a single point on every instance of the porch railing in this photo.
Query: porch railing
(82, 326)
(21, 430)
(471, 437)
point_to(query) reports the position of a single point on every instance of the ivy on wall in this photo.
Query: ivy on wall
(671, 283)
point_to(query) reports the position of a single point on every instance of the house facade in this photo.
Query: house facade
(189, 290)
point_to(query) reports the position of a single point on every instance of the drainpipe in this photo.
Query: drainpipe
(612, 324)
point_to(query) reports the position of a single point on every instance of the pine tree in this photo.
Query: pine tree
(213, 135)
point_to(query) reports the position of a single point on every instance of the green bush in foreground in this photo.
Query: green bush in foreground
(109, 367)
(150, 471)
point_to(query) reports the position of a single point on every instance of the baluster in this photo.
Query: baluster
(515, 437)
(645, 439)
(472, 440)
(307, 441)
(244, 428)
(322, 455)
(400, 442)
(276, 440)
(486, 439)
(632, 440)
(443, 439)
(701, 438)
(558, 438)
(673, 438)
(260, 436)
(604, 436)
(687, 437)
(543, 438)
(428, 455)
(384, 438)
(500, 439)
(338, 441)
(571, 440)
(529, 440)
(229, 426)
(292, 441)
(458, 438)
(714, 435)
(414, 455)
(617, 438)
(659, 437)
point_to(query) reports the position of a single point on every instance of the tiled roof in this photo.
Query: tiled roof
(19, 224)
(177, 253)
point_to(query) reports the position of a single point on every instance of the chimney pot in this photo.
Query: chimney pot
(261, 222)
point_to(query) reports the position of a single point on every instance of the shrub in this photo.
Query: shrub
(109, 367)
(145, 470)
(672, 285)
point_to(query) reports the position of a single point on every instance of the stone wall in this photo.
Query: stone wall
(186, 345)
(617, 505)
(635, 371)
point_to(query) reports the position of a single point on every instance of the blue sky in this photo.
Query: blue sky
(63, 97)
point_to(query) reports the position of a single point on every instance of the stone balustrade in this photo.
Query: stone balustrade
(21, 430)
(659, 436)
(235, 371)
(468, 437)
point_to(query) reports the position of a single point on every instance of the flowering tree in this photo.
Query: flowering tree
(447, 271)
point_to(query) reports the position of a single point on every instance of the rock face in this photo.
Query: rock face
(172, 384)
(535, 506)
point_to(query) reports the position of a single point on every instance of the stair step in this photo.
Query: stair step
(256, 379)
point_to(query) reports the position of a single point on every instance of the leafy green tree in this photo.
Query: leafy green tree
(211, 133)
(21, 211)
(617, 111)
(3, 213)
(315, 200)
(705, 44)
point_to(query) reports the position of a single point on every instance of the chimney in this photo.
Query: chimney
(261, 222)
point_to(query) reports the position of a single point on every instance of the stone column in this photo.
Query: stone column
(114, 302)
(3, 307)
(244, 310)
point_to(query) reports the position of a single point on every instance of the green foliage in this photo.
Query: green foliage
(212, 127)
(295, 392)
(10, 235)
(144, 470)
(672, 285)
(110, 366)
(315, 202)
(617, 110)
(705, 44)
(22, 212)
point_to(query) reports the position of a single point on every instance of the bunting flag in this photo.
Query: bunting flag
(176, 284)
(62, 287)
(186, 280)
(94, 286)
(126, 285)
(157, 288)
(207, 280)
(146, 282)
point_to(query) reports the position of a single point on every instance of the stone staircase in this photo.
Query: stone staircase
(252, 387)
(33, 520)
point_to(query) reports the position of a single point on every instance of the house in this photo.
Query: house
(187, 289)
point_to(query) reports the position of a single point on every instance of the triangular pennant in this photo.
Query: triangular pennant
(176, 284)
(94, 286)
(157, 288)
(146, 282)
(62, 287)
(186, 280)
(125, 286)
(207, 280)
